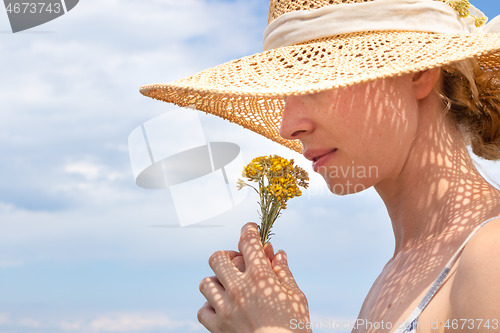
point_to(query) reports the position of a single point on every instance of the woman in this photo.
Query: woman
(401, 86)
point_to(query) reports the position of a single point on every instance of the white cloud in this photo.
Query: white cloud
(6, 263)
(6, 207)
(134, 322)
(4, 318)
(72, 326)
(88, 170)
(67, 109)
(29, 323)
(125, 322)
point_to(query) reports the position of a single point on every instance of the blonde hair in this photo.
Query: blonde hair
(472, 99)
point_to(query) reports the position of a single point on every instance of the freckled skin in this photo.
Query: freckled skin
(257, 294)
(370, 125)
(429, 185)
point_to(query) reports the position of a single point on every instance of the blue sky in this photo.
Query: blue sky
(82, 248)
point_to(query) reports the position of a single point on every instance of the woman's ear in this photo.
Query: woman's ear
(425, 81)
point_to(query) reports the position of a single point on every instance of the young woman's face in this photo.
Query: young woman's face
(355, 136)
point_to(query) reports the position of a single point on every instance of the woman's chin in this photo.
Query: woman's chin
(346, 187)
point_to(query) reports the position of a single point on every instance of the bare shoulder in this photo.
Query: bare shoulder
(475, 291)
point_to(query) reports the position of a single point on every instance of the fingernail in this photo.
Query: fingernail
(247, 226)
(282, 256)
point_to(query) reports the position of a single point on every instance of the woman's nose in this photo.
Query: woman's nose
(295, 123)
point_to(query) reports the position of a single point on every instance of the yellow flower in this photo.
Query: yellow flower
(279, 180)
(254, 170)
(240, 184)
(462, 7)
(479, 21)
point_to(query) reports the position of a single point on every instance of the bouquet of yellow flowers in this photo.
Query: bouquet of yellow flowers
(279, 180)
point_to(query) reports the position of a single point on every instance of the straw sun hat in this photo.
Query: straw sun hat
(316, 45)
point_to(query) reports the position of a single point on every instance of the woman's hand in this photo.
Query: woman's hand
(253, 290)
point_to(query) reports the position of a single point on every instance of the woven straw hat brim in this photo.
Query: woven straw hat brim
(249, 91)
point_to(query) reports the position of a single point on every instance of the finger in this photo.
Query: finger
(213, 291)
(250, 246)
(224, 269)
(269, 251)
(280, 267)
(207, 317)
(239, 262)
(233, 254)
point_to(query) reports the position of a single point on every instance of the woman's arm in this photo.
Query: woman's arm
(251, 293)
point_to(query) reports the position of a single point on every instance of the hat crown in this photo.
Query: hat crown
(280, 7)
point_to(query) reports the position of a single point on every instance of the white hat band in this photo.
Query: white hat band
(377, 15)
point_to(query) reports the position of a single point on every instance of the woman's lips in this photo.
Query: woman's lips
(320, 161)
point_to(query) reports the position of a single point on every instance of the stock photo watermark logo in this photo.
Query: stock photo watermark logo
(25, 14)
(171, 153)
(348, 179)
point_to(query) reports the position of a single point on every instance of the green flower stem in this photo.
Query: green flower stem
(269, 216)
(279, 180)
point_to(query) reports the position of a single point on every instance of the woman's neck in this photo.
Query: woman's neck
(438, 190)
